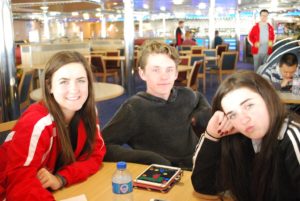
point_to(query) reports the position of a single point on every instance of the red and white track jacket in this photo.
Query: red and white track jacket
(33, 144)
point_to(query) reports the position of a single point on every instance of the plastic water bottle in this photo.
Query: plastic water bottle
(122, 183)
(296, 86)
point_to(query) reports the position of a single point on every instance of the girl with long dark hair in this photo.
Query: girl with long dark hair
(57, 141)
(251, 146)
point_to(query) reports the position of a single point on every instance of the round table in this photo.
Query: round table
(102, 91)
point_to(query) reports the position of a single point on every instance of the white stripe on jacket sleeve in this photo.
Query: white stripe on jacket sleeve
(36, 134)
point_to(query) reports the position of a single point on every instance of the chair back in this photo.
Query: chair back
(185, 60)
(193, 78)
(228, 60)
(221, 48)
(25, 87)
(5, 128)
(98, 64)
(197, 50)
(112, 64)
(210, 53)
(185, 47)
(195, 58)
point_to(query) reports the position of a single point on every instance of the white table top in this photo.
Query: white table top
(102, 91)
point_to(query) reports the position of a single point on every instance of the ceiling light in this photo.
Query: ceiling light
(162, 8)
(115, 3)
(75, 13)
(145, 6)
(86, 16)
(98, 9)
(45, 8)
(202, 5)
(177, 2)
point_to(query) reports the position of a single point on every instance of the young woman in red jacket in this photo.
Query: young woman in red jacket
(57, 141)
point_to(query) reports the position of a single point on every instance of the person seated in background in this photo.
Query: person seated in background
(281, 75)
(218, 40)
(57, 141)
(251, 144)
(156, 124)
(189, 39)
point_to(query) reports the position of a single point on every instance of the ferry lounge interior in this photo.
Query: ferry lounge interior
(109, 33)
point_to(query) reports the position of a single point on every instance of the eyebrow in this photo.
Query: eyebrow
(240, 104)
(79, 78)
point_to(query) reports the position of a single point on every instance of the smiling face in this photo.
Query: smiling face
(247, 112)
(69, 86)
(159, 74)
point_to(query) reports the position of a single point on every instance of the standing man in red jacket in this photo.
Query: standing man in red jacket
(261, 38)
(180, 33)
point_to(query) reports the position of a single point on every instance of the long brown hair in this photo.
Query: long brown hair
(249, 179)
(87, 113)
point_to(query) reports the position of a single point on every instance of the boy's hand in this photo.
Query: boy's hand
(48, 180)
(285, 82)
(256, 44)
(219, 125)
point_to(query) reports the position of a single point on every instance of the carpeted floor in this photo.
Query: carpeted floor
(108, 108)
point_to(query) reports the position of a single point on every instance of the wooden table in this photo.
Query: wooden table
(102, 91)
(99, 187)
(289, 98)
(117, 58)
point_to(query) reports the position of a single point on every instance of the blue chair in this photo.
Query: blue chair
(210, 63)
(226, 65)
(185, 47)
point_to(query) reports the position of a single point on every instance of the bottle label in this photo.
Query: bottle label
(122, 188)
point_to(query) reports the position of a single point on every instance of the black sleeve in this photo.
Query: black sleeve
(202, 114)
(122, 127)
(206, 161)
(291, 147)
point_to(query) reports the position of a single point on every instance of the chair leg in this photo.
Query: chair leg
(116, 77)
(204, 85)
(220, 76)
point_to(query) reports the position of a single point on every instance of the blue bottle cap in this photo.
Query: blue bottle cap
(121, 165)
